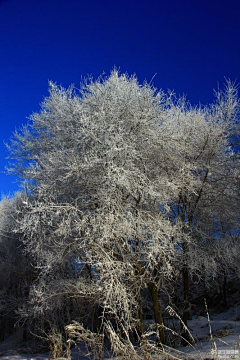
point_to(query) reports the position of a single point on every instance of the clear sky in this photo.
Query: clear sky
(190, 44)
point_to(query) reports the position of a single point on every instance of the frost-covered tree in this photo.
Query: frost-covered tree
(124, 187)
(95, 166)
(205, 169)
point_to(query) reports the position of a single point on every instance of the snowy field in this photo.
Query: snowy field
(224, 344)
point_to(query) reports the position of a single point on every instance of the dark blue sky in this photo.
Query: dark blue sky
(191, 45)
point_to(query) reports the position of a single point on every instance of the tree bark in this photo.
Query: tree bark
(224, 289)
(154, 291)
(2, 329)
(140, 315)
(186, 306)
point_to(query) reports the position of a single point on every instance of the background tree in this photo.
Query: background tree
(205, 170)
(17, 271)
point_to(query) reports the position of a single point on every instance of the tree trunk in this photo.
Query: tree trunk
(154, 291)
(2, 329)
(224, 289)
(186, 307)
(140, 316)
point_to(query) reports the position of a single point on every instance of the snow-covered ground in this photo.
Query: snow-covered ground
(224, 342)
(13, 355)
(225, 339)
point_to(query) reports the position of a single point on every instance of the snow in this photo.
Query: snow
(13, 355)
(225, 341)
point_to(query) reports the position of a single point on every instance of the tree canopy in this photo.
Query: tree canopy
(126, 190)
